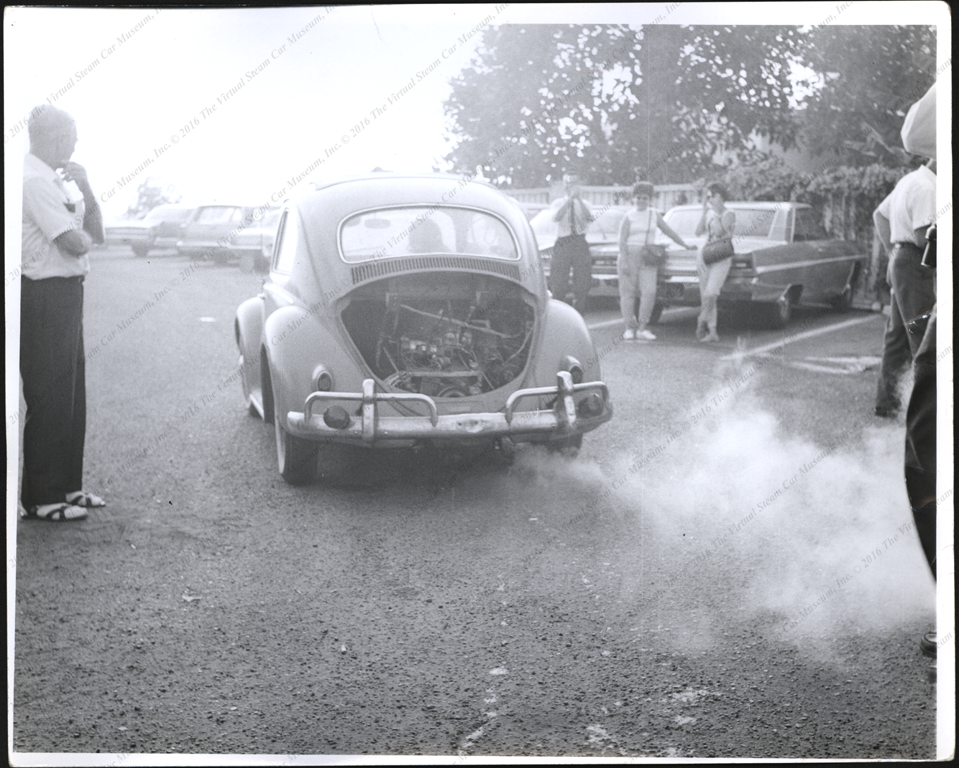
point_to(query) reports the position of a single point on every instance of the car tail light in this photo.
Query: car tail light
(574, 367)
(322, 379)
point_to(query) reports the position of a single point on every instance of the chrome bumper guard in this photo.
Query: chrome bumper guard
(368, 426)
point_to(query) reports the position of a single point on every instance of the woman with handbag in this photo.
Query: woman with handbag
(715, 259)
(639, 262)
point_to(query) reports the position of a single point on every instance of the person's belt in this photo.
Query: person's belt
(908, 249)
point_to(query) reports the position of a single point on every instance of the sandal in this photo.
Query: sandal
(84, 499)
(56, 513)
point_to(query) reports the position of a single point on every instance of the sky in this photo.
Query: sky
(235, 104)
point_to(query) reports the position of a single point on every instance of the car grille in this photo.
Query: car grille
(374, 269)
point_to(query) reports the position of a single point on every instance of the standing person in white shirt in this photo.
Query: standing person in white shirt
(901, 222)
(572, 217)
(58, 231)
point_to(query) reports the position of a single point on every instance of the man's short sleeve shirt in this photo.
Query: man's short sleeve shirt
(911, 205)
(48, 212)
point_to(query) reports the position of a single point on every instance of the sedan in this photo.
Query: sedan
(783, 257)
(404, 311)
(254, 245)
(162, 227)
(214, 229)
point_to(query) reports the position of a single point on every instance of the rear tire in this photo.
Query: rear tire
(843, 302)
(140, 250)
(566, 446)
(779, 314)
(296, 457)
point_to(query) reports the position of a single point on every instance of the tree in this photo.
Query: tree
(619, 104)
(150, 194)
(869, 76)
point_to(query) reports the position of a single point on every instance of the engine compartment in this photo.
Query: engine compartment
(443, 334)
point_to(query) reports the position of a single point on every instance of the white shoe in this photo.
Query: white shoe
(645, 335)
(629, 335)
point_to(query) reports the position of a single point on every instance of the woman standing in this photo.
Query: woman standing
(718, 223)
(637, 267)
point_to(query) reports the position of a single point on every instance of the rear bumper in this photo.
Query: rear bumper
(566, 416)
(683, 290)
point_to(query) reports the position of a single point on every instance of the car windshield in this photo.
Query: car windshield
(394, 232)
(750, 222)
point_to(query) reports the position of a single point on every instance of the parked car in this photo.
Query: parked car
(412, 310)
(602, 237)
(784, 257)
(213, 231)
(254, 245)
(162, 227)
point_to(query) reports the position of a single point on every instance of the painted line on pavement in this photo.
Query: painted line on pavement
(800, 336)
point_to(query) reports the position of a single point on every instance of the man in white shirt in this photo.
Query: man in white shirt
(572, 217)
(58, 231)
(901, 222)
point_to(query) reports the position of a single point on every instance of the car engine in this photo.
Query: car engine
(454, 337)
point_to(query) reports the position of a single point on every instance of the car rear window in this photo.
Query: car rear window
(412, 231)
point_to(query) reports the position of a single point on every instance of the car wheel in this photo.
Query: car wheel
(221, 257)
(780, 313)
(140, 250)
(266, 387)
(843, 302)
(295, 456)
(247, 389)
(566, 446)
(247, 262)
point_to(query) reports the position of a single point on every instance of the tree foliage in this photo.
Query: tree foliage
(150, 194)
(870, 76)
(667, 103)
(618, 103)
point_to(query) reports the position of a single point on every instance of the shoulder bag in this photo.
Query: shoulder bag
(653, 255)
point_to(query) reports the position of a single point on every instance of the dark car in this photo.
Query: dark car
(412, 310)
(162, 227)
(784, 257)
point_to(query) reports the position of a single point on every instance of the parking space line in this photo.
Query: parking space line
(800, 336)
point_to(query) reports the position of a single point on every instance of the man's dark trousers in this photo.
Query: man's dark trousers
(913, 297)
(920, 463)
(571, 251)
(54, 388)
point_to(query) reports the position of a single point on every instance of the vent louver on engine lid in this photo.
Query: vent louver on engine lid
(375, 269)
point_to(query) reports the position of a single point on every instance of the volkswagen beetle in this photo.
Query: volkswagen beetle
(412, 310)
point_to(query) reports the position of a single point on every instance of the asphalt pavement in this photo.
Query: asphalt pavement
(727, 570)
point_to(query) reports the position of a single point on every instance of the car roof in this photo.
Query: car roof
(756, 204)
(380, 175)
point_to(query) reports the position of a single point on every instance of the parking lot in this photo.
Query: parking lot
(727, 569)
